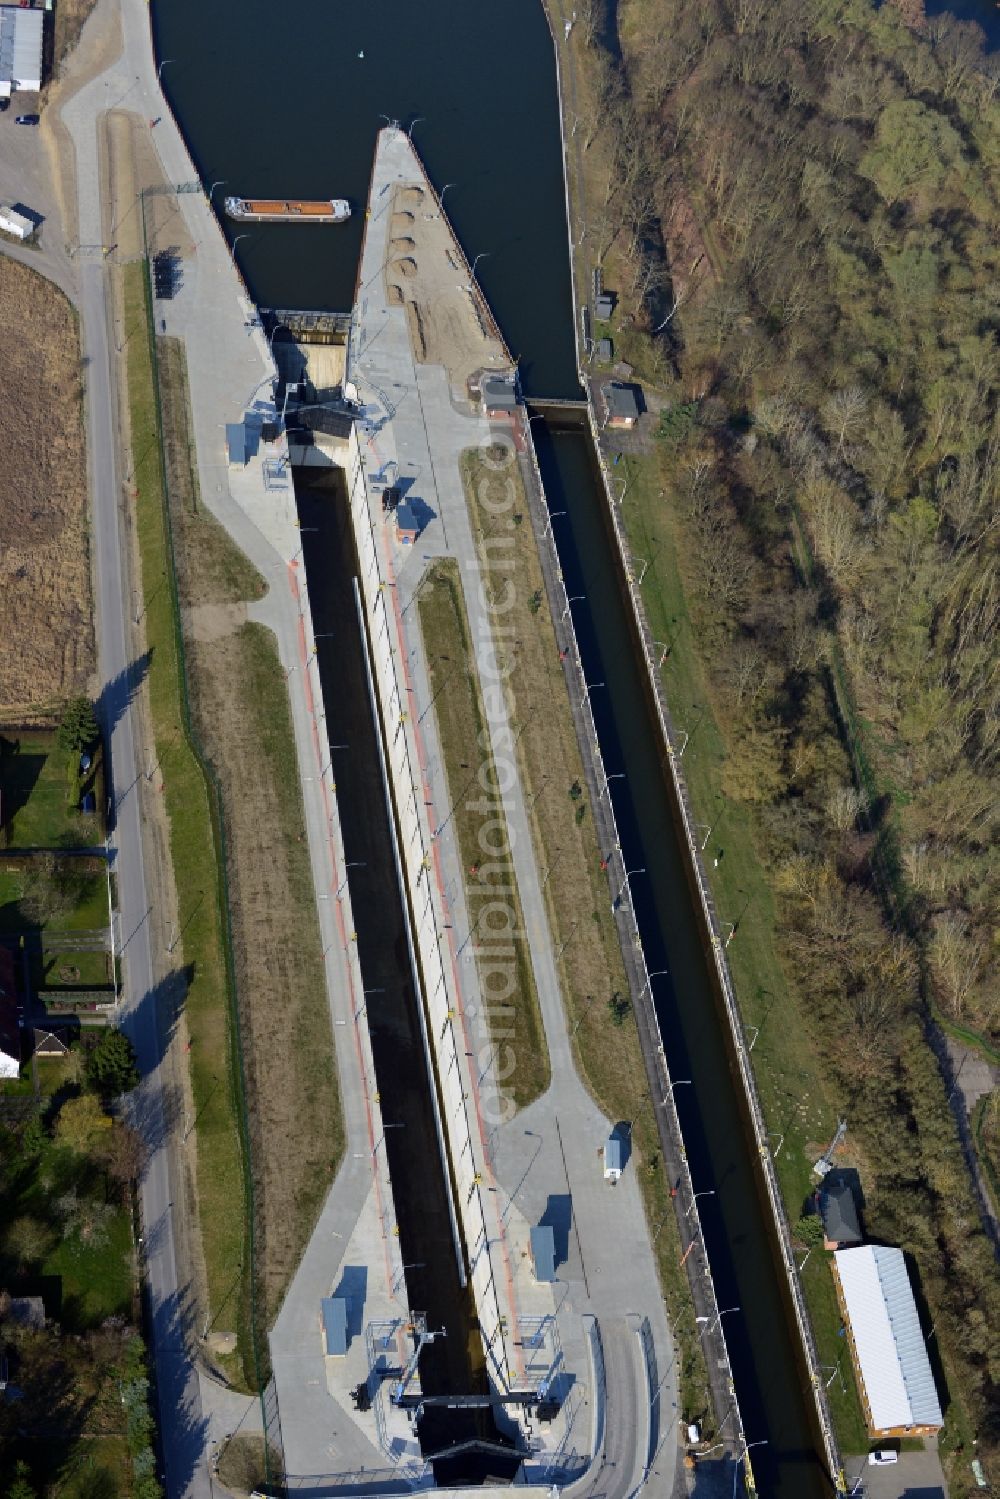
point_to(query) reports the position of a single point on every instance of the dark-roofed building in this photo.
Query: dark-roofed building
(236, 444)
(499, 395)
(622, 404)
(604, 305)
(333, 1315)
(839, 1212)
(407, 524)
(543, 1252)
(10, 1027)
(605, 351)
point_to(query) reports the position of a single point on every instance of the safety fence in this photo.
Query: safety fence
(741, 1049)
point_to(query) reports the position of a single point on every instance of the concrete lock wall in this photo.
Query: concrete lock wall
(462, 1127)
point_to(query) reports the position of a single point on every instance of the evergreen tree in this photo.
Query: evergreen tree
(78, 729)
(111, 1066)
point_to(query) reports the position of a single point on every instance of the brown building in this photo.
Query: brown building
(887, 1346)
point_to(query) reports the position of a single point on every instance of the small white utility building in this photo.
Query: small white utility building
(12, 222)
(20, 50)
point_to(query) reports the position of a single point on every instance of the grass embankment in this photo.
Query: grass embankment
(469, 765)
(576, 890)
(193, 847)
(787, 1068)
(242, 718)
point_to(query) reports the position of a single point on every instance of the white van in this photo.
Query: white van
(882, 1457)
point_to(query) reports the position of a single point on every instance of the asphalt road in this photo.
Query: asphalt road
(146, 1004)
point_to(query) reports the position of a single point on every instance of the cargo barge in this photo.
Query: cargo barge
(288, 210)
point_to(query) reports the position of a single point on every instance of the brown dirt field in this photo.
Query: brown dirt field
(45, 594)
(70, 16)
(134, 166)
(415, 322)
(446, 323)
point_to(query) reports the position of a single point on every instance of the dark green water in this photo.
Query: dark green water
(275, 100)
(280, 102)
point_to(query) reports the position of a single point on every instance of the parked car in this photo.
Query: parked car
(884, 1456)
(4, 105)
(27, 119)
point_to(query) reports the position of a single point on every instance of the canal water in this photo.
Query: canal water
(453, 1364)
(770, 1381)
(283, 105)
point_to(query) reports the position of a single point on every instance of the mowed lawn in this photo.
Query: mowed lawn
(34, 796)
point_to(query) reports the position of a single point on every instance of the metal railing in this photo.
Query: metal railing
(723, 974)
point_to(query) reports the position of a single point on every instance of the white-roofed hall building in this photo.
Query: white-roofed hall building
(20, 50)
(887, 1346)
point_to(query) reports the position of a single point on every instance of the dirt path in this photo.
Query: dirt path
(426, 274)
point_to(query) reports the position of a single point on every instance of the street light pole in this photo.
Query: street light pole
(710, 1192)
(575, 598)
(682, 1082)
(553, 515)
(219, 182)
(658, 974)
(163, 64)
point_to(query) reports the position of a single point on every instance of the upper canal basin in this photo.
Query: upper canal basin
(282, 103)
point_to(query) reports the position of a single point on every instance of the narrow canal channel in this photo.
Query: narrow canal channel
(452, 1364)
(291, 106)
(768, 1374)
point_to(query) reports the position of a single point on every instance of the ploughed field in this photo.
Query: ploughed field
(45, 606)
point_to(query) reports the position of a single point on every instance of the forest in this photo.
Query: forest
(802, 201)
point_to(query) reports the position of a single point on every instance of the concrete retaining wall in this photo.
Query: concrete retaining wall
(463, 1131)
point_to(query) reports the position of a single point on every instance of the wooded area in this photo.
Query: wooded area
(801, 198)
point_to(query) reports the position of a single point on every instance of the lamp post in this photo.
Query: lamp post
(219, 182)
(270, 340)
(163, 64)
(659, 973)
(710, 1192)
(351, 864)
(575, 598)
(616, 775)
(442, 193)
(682, 1082)
(719, 1316)
(483, 254)
(628, 875)
(553, 515)
(419, 120)
(232, 247)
